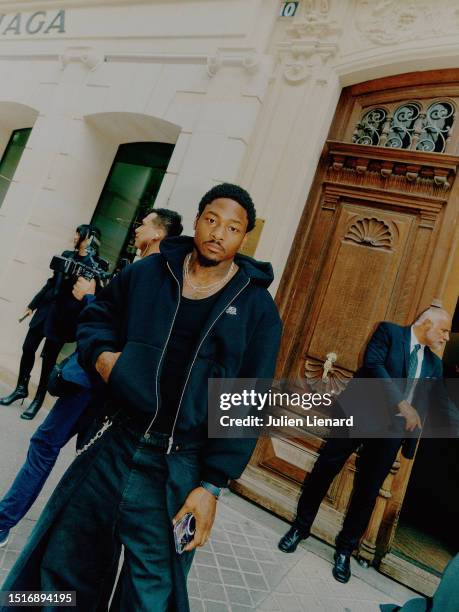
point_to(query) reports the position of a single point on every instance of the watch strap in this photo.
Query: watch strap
(215, 491)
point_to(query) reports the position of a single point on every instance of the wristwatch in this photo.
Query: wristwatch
(215, 491)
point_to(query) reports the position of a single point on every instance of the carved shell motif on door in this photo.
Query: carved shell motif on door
(325, 376)
(372, 232)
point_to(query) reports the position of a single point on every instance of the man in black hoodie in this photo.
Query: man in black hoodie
(156, 334)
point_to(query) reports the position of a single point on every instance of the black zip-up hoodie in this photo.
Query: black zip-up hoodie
(135, 315)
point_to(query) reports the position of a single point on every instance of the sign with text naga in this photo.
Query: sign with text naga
(25, 24)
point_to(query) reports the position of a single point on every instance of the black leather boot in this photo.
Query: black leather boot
(20, 392)
(35, 405)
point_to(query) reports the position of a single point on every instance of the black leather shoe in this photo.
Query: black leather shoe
(289, 542)
(34, 406)
(342, 568)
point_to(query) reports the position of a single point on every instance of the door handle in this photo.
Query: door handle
(328, 365)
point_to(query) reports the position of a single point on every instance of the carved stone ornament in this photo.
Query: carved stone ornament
(214, 63)
(386, 22)
(310, 42)
(246, 58)
(87, 56)
(304, 59)
(371, 232)
(326, 376)
(313, 21)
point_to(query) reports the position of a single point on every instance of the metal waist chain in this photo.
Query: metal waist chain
(105, 425)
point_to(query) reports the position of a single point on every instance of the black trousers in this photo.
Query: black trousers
(129, 495)
(376, 457)
(51, 351)
(31, 343)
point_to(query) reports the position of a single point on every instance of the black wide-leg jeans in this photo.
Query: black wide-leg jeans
(376, 458)
(125, 498)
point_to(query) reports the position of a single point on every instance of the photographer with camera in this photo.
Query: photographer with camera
(56, 313)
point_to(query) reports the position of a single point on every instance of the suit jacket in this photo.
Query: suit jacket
(387, 357)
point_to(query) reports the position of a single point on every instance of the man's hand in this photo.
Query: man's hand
(410, 415)
(83, 287)
(105, 364)
(202, 505)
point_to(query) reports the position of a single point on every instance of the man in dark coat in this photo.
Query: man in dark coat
(399, 356)
(156, 334)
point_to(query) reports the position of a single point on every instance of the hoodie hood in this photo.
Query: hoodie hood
(175, 250)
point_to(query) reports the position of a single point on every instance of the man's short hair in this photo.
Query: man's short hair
(170, 220)
(232, 192)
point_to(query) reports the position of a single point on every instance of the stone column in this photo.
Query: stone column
(293, 126)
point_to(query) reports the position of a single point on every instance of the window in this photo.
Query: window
(11, 158)
(420, 126)
(130, 190)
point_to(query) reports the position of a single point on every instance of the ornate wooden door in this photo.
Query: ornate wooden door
(373, 245)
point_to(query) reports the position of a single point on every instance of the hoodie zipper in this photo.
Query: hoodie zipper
(146, 435)
(171, 437)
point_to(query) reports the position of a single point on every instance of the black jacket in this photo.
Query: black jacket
(41, 302)
(63, 311)
(135, 315)
(54, 305)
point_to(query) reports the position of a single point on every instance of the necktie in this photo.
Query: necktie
(413, 362)
(412, 367)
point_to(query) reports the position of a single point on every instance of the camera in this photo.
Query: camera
(70, 268)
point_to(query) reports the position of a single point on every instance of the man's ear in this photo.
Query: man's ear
(195, 221)
(244, 240)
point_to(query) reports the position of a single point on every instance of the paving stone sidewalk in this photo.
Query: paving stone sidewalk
(240, 568)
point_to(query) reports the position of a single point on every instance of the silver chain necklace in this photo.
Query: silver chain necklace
(202, 288)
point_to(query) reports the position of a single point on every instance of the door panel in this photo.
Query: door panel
(361, 266)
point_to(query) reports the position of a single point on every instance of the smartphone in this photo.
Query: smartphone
(184, 532)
